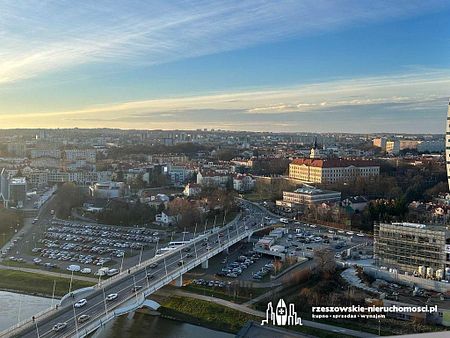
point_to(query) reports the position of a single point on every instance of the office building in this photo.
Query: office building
(393, 147)
(309, 170)
(447, 144)
(412, 247)
(307, 195)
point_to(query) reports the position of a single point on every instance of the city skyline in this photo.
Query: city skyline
(258, 66)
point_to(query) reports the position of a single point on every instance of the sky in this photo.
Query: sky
(281, 66)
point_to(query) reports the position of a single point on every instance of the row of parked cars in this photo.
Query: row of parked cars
(107, 231)
(65, 236)
(234, 269)
(265, 270)
(62, 255)
(210, 283)
(75, 247)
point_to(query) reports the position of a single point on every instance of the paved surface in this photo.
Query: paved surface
(97, 306)
(49, 273)
(352, 278)
(245, 309)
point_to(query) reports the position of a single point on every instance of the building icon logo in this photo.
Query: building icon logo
(281, 315)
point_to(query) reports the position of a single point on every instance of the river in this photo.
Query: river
(14, 306)
(142, 325)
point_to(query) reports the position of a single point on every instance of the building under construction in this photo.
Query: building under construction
(423, 249)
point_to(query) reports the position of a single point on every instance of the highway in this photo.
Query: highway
(170, 263)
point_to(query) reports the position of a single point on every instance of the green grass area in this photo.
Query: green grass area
(219, 317)
(33, 283)
(216, 292)
(8, 262)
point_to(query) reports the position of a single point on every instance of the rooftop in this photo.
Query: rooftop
(333, 163)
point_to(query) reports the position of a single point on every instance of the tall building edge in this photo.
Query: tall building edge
(447, 145)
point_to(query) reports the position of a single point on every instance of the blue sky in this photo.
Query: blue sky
(254, 65)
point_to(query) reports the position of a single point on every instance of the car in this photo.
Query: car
(112, 296)
(153, 265)
(83, 318)
(59, 326)
(81, 303)
(150, 276)
(86, 270)
(180, 263)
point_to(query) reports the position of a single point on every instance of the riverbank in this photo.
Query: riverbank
(37, 284)
(219, 317)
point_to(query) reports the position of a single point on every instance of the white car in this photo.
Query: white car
(83, 318)
(360, 235)
(86, 270)
(81, 303)
(112, 296)
(59, 326)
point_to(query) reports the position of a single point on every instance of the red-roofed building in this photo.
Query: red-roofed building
(312, 170)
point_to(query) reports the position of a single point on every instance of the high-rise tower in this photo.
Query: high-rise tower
(447, 144)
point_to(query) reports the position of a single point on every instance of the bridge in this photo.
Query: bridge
(134, 285)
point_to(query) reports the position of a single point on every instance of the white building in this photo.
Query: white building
(165, 218)
(243, 183)
(192, 189)
(213, 179)
(108, 189)
(80, 154)
(307, 195)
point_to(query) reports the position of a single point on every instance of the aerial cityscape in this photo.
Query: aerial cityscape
(243, 169)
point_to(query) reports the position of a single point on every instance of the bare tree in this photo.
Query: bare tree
(326, 265)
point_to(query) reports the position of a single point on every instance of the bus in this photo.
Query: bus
(177, 244)
(162, 251)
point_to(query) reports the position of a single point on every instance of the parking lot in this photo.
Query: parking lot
(65, 244)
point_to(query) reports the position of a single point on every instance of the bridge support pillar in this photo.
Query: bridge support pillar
(248, 238)
(227, 251)
(179, 281)
(205, 264)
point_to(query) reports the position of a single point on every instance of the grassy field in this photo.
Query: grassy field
(242, 294)
(33, 283)
(219, 317)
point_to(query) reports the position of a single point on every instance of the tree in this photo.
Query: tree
(190, 215)
(68, 196)
(326, 265)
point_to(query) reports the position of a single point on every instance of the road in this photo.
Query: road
(97, 306)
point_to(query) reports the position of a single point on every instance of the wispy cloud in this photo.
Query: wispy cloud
(409, 98)
(47, 36)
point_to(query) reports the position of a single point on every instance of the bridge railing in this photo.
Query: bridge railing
(52, 310)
